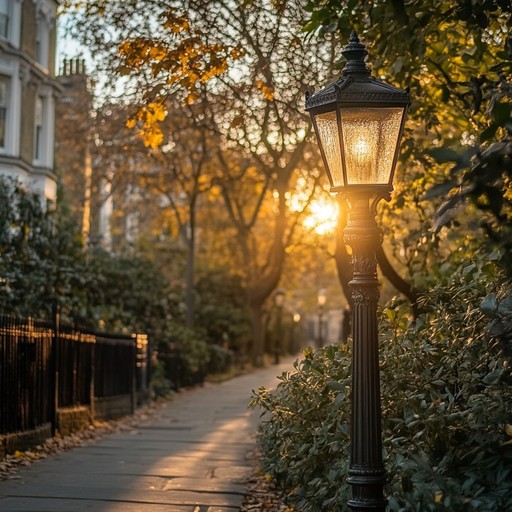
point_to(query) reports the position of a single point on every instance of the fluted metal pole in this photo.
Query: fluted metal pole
(366, 473)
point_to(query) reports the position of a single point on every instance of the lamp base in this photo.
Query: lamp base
(367, 490)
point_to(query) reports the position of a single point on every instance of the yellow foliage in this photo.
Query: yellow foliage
(191, 98)
(237, 53)
(156, 112)
(149, 117)
(151, 137)
(177, 24)
(131, 122)
(267, 91)
(157, 53)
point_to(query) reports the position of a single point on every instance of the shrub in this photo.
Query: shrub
(305, 440)
(447, 406)
(220, 359)
(161, 386)
(194, 355)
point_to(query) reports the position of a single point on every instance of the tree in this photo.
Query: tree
(253, 106)
(456, 58)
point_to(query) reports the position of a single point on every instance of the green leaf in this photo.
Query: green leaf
(337, 386)
(493, 377)
(444, 155)
(497, 328)
(501, 113)
(505, 306)
(489, 305)
(489, 132)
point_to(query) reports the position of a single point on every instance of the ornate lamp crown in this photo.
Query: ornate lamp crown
(356, 86)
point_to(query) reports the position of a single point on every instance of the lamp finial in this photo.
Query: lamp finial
(355, 52)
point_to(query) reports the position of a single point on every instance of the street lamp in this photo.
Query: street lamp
(279, 302)
(322, 299)
(358, 122)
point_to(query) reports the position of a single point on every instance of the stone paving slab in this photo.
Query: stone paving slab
(225, 497)
(191, 456)
(49, 505)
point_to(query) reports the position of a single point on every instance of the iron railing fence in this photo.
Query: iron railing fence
(46, 366)
(114, 365)
(75, 365)
(25, 374)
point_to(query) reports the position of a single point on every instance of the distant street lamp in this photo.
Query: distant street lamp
(322, 299)
(279, 302)
(358, 122)
(294, 348)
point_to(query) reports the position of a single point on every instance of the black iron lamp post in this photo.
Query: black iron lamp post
(279, 302)
(358, 122)
(322, 299)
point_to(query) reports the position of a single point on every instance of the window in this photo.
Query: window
(39, 117)
(42, 41)
(4, 93)
(4, 18)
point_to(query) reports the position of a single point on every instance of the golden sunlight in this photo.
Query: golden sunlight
(323, 216)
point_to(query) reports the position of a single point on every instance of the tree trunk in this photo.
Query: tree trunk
(190, 238)
(258, 335)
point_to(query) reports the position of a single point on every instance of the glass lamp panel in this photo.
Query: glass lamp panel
(370, 138)
(327, 130)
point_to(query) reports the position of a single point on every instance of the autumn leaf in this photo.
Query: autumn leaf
(268, 92)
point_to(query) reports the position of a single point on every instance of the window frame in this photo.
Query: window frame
(4, 143)
(8, 19)
(42, 50)
(13, 24)
(43, 137)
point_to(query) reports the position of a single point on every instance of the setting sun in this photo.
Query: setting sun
(323, 216)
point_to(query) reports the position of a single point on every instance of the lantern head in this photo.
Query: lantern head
(358, 121)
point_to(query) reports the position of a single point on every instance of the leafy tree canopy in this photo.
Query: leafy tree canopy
(457, 59)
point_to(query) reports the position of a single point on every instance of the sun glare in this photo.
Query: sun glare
(323, 217)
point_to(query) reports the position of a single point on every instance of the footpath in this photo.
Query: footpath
(193, 455)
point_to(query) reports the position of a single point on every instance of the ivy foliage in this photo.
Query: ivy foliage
(447, 405)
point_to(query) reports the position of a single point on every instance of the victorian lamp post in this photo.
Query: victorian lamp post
(358, 122)
(279, 302)
(322, 299)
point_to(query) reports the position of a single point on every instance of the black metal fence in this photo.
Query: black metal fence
(25, 374)
(45, 368)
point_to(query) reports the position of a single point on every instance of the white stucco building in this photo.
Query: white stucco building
(27, 93)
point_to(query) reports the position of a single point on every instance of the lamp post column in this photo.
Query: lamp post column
(366, 473)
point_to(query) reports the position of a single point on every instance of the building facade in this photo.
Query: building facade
(28, 92)
(73, 141)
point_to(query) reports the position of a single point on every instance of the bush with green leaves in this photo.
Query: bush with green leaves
(221, 359)
(446, 401)
(193, 353)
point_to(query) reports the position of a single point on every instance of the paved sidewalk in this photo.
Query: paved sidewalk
(192, 456)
